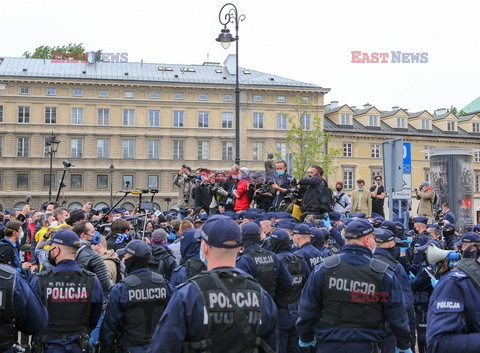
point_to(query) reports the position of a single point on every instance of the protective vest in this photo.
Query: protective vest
(266, 271)
(147, 299)
(68, 297)
(194, 267)
(7, 314)
(471, 268)
(389, 260)
(296, 268)
(351, 293)
(244, 295)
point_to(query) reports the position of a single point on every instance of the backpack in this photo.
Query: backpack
(338, 198)
(326, 199)
(436, 203)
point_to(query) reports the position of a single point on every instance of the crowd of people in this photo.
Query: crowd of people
(247, 263)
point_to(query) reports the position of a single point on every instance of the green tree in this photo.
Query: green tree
(309, 144)
(452, 110)
(45, 51)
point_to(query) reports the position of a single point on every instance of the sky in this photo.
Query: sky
(306, 40)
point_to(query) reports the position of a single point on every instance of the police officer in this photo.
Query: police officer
(350, 296)
(287, 301)
(453, 311)
(190, 251)
(222, 309)
(385, 251)
(302, 237)
(20, 309)
(263, 265)
(72, 295)
(135, 304)
(469, 245)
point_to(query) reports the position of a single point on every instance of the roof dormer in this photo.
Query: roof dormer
(397, 118)
(421, 120)
(369, 116)
(340, 115)
(470, 123)
(445, 121)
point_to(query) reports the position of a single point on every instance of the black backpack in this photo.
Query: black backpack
(326, 199)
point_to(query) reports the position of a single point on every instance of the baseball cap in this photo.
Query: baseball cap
(390, 226)
(159, 234)
(427, 244)
(245, 170)
(423, 220)
(286, 224)
(476, 228)
(301, 229)
(383, 235)
(358, 229)
(250, 228)
(425, 183)
(280, 235)
(219, 229)
(469, 237)
(136, 248)
(65, 237)
(358, 215)
(335, 216)
(317, 233)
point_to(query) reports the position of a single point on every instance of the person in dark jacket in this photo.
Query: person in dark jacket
(88, 259)
(311, 197)
(192, 265)
(8, 247)
(119, 234)
(162, 260)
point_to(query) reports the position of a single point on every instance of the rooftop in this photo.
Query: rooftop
(473, 107)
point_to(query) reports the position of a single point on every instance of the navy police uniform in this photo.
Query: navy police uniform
(349, 297)
(20, 309)
(310, 254)
(453, 314)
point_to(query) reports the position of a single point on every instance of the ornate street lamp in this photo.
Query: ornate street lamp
(52, 145)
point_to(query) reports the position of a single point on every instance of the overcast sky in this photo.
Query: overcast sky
(305, 40)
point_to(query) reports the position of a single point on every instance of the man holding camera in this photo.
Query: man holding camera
(282, 187)
(426, 195)
(185, 182)
(315, 184)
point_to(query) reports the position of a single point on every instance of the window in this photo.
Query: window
(425, 124)
(477, 182)
(305, 122)
(50, 115)
(128, 117)
(281, 122)
(227, 97)
(154, 95)
(258, 120)
(348, 179)
(153, 149)
(427, 177)
(153, 181)
(203, 97)
(177, 149)
(258, 98)
(102, 148)
(476, 127)
(1, 149)
(227, 150)
(450, 125)
(76, 181)
(154, 118)
(178, 96)
(375, 150)
(77, 148)
(51, 91)
(477, 156)
(129, 94)
(1, 113)
(77, 116)
(78, 92)
(45, 147)
(102, 181)
(178, 118)
(373, 120)
(24, 115)
(202, 119)
(22, 146)
(257, 151)
(128, 149)
(347, 149)
(427, 154)
(24, 90)
(103, 116)
(127, 181)
(22, 181)
(306, 99)
(345, 119)
(374, 174)
(281, 99)
(227, 120)
(103, 93)
(282, 148)
(46, 181)
(203, 150)
(401, 123)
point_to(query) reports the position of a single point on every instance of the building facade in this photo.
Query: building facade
(145, 120)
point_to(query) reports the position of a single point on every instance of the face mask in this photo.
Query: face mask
(51, 259)
(204, 213)
(280, 172)
(234, 176)
(339, 189)
(54, 224)
(202, 256)
(21, 235)
(360, 189)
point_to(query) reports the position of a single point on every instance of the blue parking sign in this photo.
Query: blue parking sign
(407, 158)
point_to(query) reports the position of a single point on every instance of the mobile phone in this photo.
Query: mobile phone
(28, 199)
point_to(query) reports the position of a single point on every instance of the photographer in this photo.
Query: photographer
(185, 182)
(426, 195)
(261, 191)
(229, 186)
(311, 200)
(217, 192)
(201, 192)
(240, 193)
(283, 186)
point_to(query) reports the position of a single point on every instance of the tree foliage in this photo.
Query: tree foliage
(45, 51)
(309, 144)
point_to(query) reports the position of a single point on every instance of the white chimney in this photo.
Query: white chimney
(440, 111)
(230, 63)
(333, 104)
(395, 108)
(367, 105)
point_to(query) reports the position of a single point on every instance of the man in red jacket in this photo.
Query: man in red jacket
(240, 193)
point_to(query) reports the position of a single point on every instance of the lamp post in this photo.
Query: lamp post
(52, 145)
(111, 170)
(229, 14)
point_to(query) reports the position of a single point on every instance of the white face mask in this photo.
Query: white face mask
(54, 224)
(202, 256)
(21, 235)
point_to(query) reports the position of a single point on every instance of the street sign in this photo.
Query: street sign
(394, 153)
(406, 192)
(407, 158)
